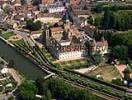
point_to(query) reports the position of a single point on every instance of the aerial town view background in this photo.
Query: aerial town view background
(65, 49)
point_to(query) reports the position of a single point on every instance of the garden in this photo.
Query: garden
(7, 85)
(6, 35)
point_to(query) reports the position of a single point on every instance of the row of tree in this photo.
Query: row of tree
(119, 20)
(53, 88)
(101, 7)
(61, 90)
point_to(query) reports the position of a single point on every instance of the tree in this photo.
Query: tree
(108, 20)
(23, 2)
(120, 52)
(39, 84)
(48, 95)
(97, 58)
(117, 82)
(44, 98)
(90, 20)
(28, 90)
(33, 26)
(89, 48)
(36, 2)
(63, 91)
(38, 25)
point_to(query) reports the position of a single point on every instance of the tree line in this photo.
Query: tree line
(118, 20)
(53, 88)
(101, 8)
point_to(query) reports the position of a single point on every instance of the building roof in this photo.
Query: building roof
(101, 43)
(56, 29)
(47, 2)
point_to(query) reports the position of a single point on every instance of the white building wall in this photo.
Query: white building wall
(57, 9)
(71, 55)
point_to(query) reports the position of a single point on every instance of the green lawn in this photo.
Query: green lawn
(6, 35)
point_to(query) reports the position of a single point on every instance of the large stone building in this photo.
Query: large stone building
(65, 41)
(100, 46)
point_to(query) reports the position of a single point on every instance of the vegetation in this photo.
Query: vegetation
(33, 26)
(28, 90)
(74, 64)
(100, 8)
(48, 55)
(120, 52)
(6, 35)
(107, 72)
(93, 83)
(7, 85)
(23, 2)
(59, 89)
(117, 82)
(119, 20)
(120, 42)
(36, 2)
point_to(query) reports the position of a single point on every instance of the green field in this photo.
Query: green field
(74, 64)
(48, 55)
(6, 35)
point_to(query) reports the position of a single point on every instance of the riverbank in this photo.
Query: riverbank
(28, 56)
(8, 51)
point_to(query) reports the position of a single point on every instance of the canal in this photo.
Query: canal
(25, 66)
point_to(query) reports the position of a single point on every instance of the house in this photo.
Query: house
(100, 46)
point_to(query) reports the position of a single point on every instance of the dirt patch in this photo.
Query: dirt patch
(108, 72)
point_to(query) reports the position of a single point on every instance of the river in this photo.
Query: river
(25, 66)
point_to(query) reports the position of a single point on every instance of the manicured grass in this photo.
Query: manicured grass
(6, 35)
(108, 72)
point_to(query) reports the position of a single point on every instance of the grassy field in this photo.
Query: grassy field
(108, 72)
(6, 35)
(48, 55)
(74, 64)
